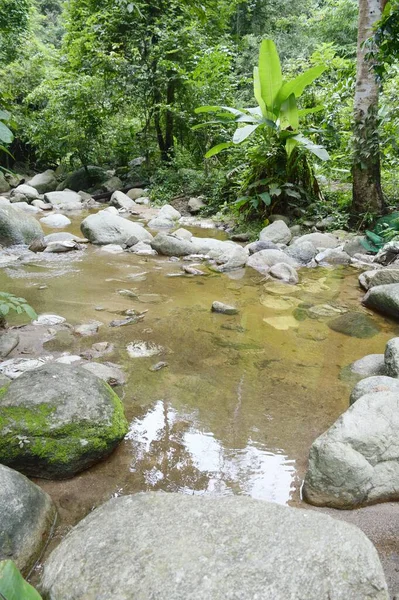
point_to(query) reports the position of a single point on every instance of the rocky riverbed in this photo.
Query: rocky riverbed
(218, 403)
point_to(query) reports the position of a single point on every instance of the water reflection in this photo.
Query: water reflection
(172, 453)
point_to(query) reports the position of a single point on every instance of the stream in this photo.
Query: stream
(242, 397)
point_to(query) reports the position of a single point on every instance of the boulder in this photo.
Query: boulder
(278, 233)
(66, 200)
(169, 245)
(371, 385)
(61, 236)
(135, 193)
(161, 223)
(26, 190)
(370, 279)
(88, 329)
(8, 341)
(326, 223)
(183, 234)
(85, 179)
(17, 227)
(27, 515)
(255, 247)
(4, 185)
(168, 212)
(195, 205)
(42, 205)
(57, 420)
(355, 325)
(179, 547)
(356, 462)
(372, 364)
(121, 200)
(354, 245)
(108, 372)
(56, 221)
(384, 299)
(319, 240)
(230, 257)
(143, 249)
(263, 260)
(105, 228)
(59, 247)
(391, 358)
(44, 182)
(302, 252)
(112, 184)
(333, 256)
(285, 273)
(26, 208)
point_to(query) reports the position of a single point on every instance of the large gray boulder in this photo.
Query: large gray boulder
(370, 385)
(319, 240)
(85, 179)
(65, 200)
(56, 221)
(30, 193)
(333, 256)
(170, 245)
(370, 279)
(16, 227)
(278, 233)
(58, 420)
(263, 260)
(44, 182)
(302, 252)
(121, 200)
(356, 462)
(27, 515)
(177, 547)
(106, 228)
(384, 299)
(391, 358)
(4, 185)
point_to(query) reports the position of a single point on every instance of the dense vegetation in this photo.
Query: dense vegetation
(108, 81)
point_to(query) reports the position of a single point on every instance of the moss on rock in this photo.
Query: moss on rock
(64, 433)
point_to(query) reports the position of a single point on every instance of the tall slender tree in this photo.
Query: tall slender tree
(367, 192)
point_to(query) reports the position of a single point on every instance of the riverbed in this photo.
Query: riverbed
(241, 398)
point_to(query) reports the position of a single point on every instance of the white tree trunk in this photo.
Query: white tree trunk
(367, 193)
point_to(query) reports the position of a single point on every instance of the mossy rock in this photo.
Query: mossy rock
(85, 180)
(58, 420)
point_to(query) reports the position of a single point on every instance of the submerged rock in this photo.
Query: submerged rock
(356, 462)
(285, 273)
(372, 364)
(58, 420)
(224, 309)
(108, 372)
(27, 515)
(355, 324)
(178, 547)
(17, 227)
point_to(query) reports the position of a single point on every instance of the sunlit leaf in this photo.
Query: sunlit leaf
(6, 135)
(216, 149)
(270, 76)
(12, 584)
(242, 133)
(296, 86)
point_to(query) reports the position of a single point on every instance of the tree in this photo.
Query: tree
(14, 21)
(367, 192)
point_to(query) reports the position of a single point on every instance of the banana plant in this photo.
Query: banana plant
(6, 135)
(277, 108)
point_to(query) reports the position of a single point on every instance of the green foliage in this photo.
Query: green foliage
(19, 305)
(14, 20)
(12, 584)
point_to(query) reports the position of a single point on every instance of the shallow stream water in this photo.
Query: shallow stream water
(242, 398)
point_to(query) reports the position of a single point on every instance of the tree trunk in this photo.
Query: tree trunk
(367, 192)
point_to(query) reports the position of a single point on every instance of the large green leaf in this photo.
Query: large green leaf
(6, 136)
(270, 76)
(289, 114)
(290, 145)
(4, 115)
(258, 92)
(242, 133)
(216, 149)
(310, 111)
(12, 584)
(296, 86)
(229, 109)
(317, 150)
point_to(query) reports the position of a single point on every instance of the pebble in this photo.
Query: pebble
(158, 366)
(224, 309)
